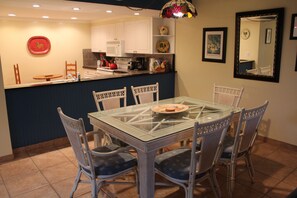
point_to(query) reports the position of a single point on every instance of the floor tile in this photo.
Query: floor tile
(291, 179)
(261, 148)
(18, 167)
(49, 159)
(59, 172)
(17, 185)
(3, 190)
(272, 168)
(284, 157)
(262, 183)
(68, 152)
(281, 190)
(63, 188)
(43, 192)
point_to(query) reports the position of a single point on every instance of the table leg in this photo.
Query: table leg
(146, 173)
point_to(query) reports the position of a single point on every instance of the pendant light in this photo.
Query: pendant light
(178, 9)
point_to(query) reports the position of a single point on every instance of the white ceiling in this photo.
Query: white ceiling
(62, 10)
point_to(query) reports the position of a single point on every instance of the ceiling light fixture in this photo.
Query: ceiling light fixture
(45, 17)
(35, 6)
(73, 18)
(76, 9)
(178, 9)
(11, 15)
(108, 11)
(136, 14)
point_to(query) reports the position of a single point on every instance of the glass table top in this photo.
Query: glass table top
(146, 123)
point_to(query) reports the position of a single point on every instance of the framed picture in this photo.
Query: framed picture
(293, 33)
(214, 44)
(268, 35)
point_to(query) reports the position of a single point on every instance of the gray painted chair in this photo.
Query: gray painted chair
(190, 166)
(241, 144)
(100, 165)
(146, 93)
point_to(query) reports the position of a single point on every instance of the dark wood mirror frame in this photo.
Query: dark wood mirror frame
(279, 12)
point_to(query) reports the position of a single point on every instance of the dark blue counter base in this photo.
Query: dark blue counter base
(32, 111)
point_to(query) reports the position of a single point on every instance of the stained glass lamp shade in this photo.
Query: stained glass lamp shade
(178, 9)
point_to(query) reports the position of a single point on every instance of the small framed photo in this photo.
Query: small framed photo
(268, 35)
(214, 44)
(293, 31)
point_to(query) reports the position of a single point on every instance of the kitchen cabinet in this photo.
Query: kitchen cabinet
(138, 36)
(98, 38)
(158, 37)
(115, 32)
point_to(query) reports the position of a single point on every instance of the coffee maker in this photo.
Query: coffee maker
(139, 63)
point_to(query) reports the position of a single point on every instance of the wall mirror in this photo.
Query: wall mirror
(258, 44)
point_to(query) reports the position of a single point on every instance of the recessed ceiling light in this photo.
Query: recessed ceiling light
(108, 11)
(35, 6)
(76, 9)
(11, 14)
(45, 17)
(73, 18)
(136, 13)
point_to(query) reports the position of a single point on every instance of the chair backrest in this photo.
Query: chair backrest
(146, 93)
(112, 99)
(247, 128)
(76, 134)
(17, 74)
(211, 136)
(267, 70)
(227, 95)
(71, 68)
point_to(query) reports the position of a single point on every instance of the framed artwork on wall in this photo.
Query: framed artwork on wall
(268, 35)
(214, 44)
(39, 45)
(293, 31)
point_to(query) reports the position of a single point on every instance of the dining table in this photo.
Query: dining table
(47, 77)
(152, 126)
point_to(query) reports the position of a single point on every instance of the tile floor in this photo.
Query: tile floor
(50, 173)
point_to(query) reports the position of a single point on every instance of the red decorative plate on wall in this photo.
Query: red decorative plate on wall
(39, 45)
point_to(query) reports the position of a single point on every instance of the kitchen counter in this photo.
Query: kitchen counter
(32, 108)
(87, 75)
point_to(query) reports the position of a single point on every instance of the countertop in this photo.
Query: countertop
(87, 75)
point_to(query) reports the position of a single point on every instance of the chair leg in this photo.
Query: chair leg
(77, 180)
(214, 183)
(230, 178)
(94, 191)
(250, 167)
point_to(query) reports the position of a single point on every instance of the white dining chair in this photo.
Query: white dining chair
(100, 166)
(240, 146)
(107, 100)
(146, 93)
(189, 166)
(227, 95)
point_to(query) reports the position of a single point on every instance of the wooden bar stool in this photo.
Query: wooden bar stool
(71, 68)
(17, 74)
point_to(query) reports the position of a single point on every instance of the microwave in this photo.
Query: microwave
(115, 48)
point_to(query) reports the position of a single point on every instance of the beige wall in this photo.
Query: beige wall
(195, 78)
(67, 41)
(5, 145)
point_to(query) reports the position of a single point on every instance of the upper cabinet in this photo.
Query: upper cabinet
(115, 32)
(163, 36)
(145, 36)
(98, 39)
(138, 36)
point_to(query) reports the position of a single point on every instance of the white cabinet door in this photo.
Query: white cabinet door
(138, 37)
(114, 32)
(98, 39)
